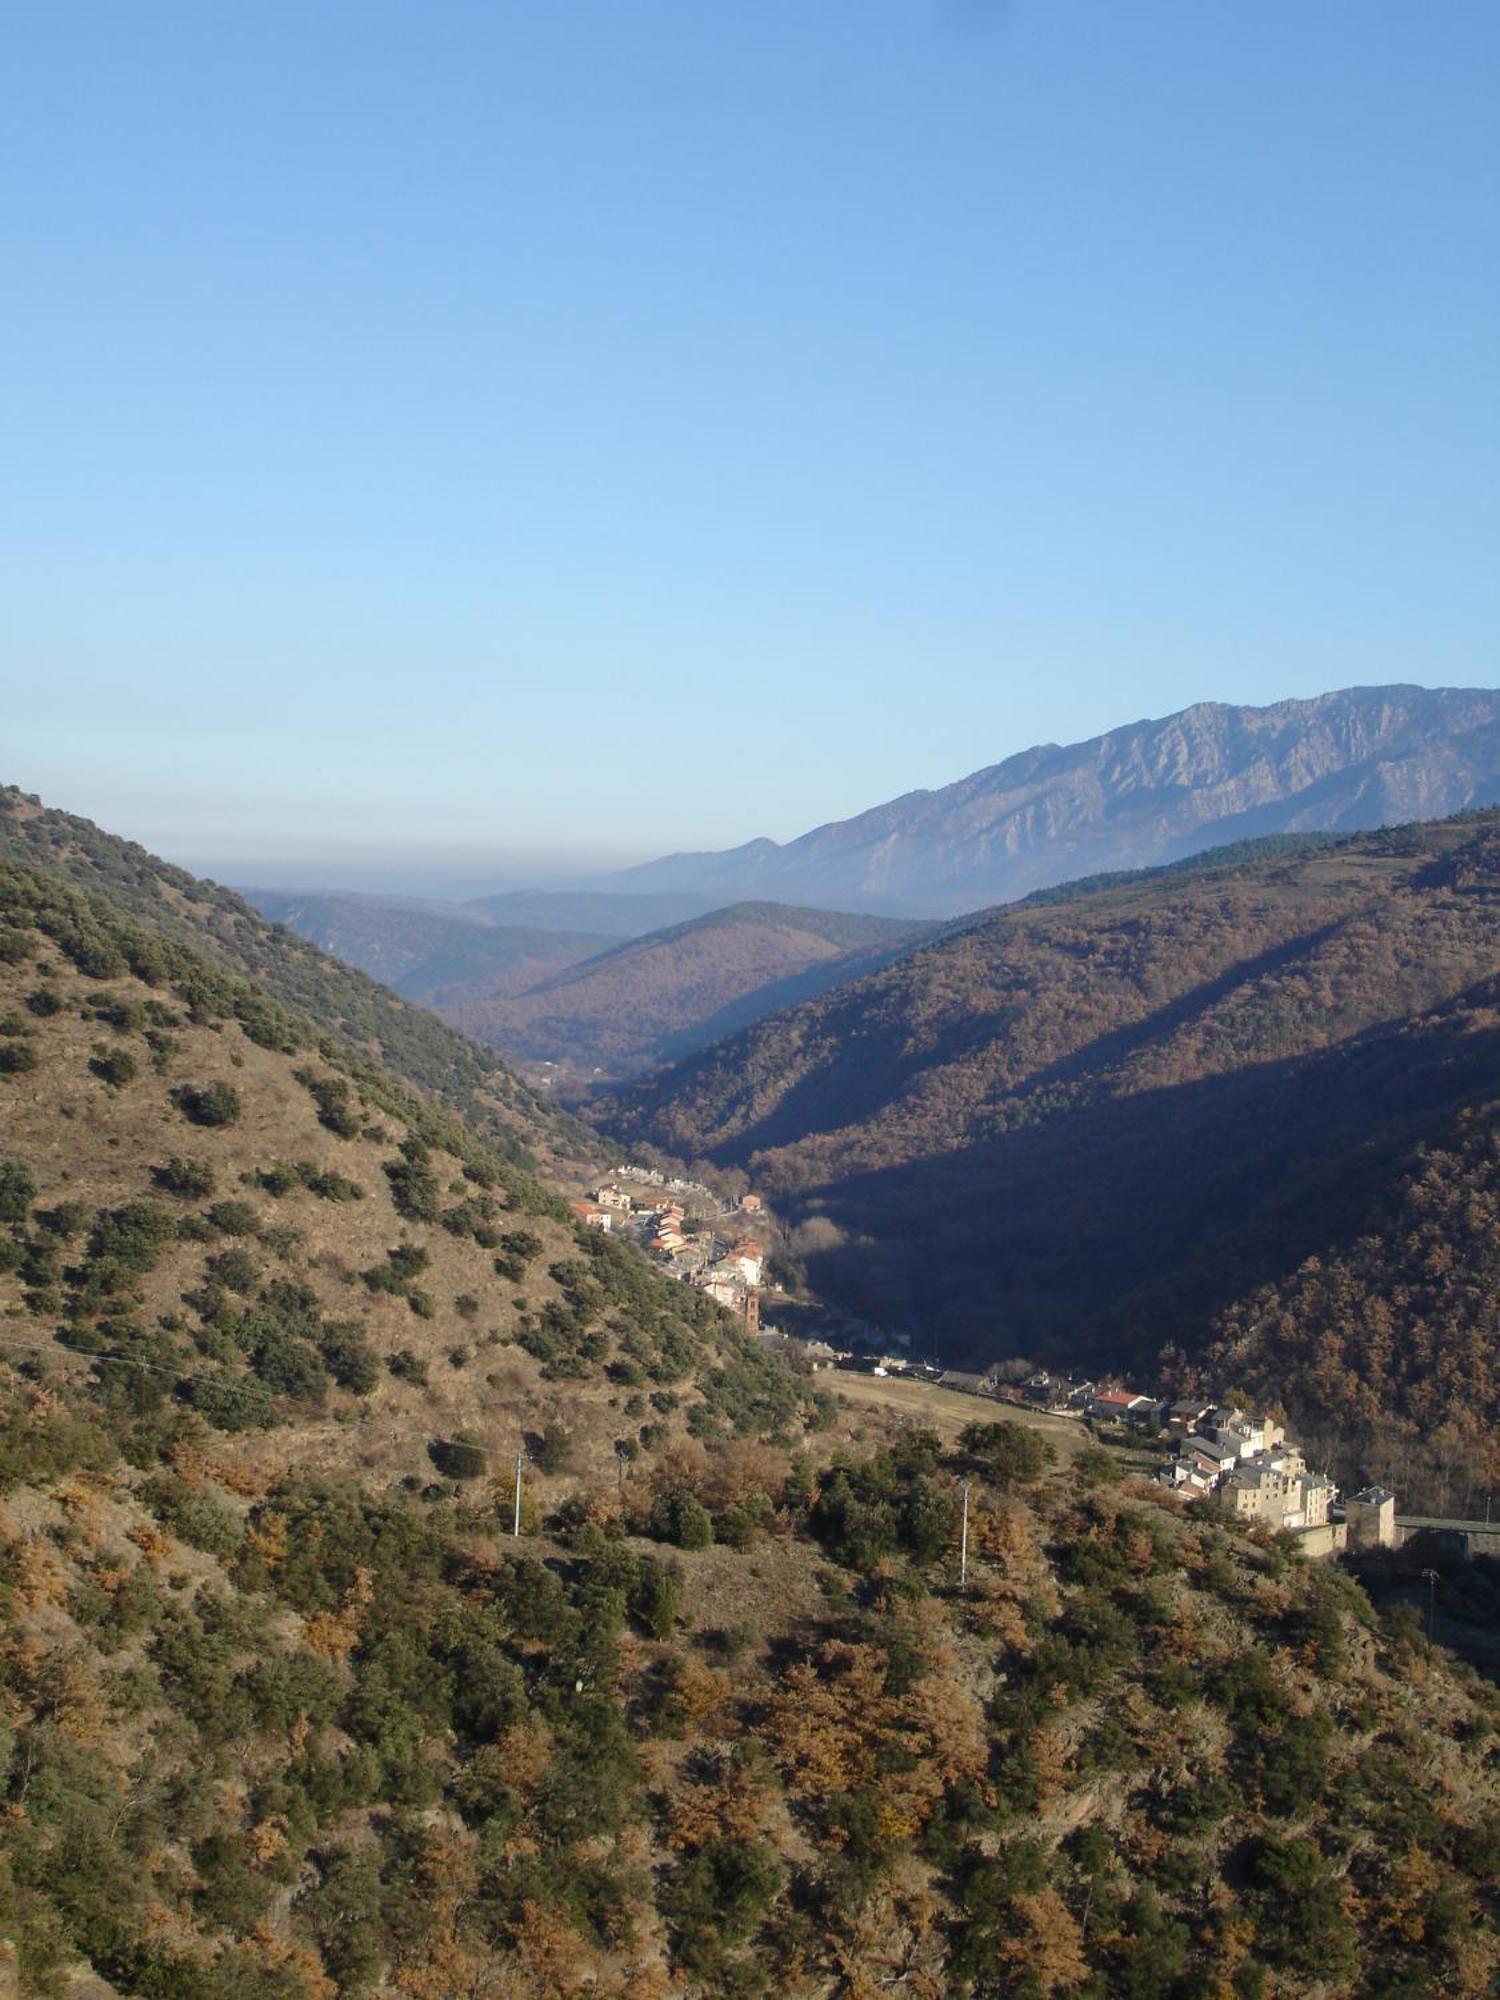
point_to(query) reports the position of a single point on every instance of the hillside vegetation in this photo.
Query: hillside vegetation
(430, 953)
(123, 878)
(1099, 1125)
(289, 1713)
(653, 998)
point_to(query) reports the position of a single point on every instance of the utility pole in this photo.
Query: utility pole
(520, 1461)
(963, 1542)
(1430, 1578)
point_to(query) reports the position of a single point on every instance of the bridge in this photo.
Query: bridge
(1464, 1538)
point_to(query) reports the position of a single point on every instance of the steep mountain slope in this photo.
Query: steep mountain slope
(1148, 793)
(1088, 1125)
(659, 996)
(290, 1713)
(234, 1252)
(431, 955)
(363, 1016)
(180, 1128)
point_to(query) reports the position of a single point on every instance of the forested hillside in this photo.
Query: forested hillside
(430, 953)
(223, 927)
(290, 1713)
(1093, 1125)
(643, 1002)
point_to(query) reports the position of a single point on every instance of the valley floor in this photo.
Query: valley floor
(948, 1411)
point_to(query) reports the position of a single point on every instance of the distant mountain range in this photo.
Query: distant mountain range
(645, 966)
(612, 913)
(1147, 793)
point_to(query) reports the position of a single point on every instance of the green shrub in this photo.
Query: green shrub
(189, 1180)
(1301, 1919)
(115, 1067)
(197, 1515)
(518, 1248)
(403, 1263)
(128, 1016)
(131, 1239)
(1293, 1764)
(235, 1270)
(653, 1598)
(1008, 1452)
(210, 1104)
(414, 1188)
(554, 1449)
(230, 1402)
(680, 1519)
(345, 1911)
(716, 1898)
(460, 1458)
(18, 1190)
(67, 1220)
(334, 1099)
(349, 1357)
(234, 1218)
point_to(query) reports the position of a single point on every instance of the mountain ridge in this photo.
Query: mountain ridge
(427, 953)
(646, 1000)
(1150, 791)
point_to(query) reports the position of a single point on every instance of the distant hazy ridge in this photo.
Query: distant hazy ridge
(1147, 793)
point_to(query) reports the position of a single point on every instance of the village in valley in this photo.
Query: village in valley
(686, 1228)
(1243, 1461)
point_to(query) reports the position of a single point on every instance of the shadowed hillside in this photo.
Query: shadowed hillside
(1090, 1126)
(432, 955)
(657, 997)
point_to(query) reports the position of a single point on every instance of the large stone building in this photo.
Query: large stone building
(1277, 1490)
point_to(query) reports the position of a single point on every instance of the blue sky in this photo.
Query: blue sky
(464, 440)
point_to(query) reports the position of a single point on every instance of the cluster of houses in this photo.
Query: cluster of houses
(691, 1248)
(1248, 1462)
(1078, 1396)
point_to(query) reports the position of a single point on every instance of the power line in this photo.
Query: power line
(84, 1354)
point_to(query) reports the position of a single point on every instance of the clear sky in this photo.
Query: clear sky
(467, 436)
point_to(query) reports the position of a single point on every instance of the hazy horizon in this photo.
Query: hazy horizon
(562, 437)
(460, 874)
